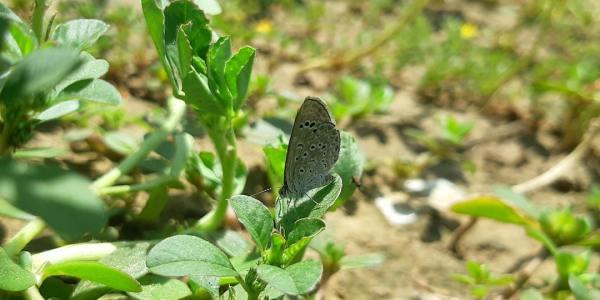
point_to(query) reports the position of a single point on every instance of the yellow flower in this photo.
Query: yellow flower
(468, 31)
(263, 26)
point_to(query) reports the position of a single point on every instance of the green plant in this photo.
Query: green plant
(481, 280)
(446, 145)
(47, 74)
(356, 99)
(210, 79)
(555, 229)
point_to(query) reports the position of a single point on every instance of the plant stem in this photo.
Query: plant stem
(32, 293)
(227, 152)
(123, 189)
(458, 236)
(523, 276)
(176, 110)
(409, 13)
(24, 236)
(85, 251)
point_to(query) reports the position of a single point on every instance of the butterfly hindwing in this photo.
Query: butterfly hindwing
(313, 148)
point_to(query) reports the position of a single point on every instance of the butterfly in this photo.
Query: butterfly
(313, 149)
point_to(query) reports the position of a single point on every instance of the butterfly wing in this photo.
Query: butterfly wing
(313, 148)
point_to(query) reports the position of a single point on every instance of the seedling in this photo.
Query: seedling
(480, 280)
(357, 98)
(553, 228)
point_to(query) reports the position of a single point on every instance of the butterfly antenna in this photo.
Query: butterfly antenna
(258, 193)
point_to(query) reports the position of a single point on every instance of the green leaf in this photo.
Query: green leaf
(157, 201)
(296, 279)
(182, 255)
(218, 55)
(79, 34)
(238, 70)
(183, 146)
(130, 257)
(40, 190)
(210, 7)
(568, 263)
(349, 166)
(153, 13)
(517, 200)
(362, 261)
(307, 227)
(9, 14)
(40, 71)
(489, 207)
(206, 283)
(12, 277)
(121, 142)
(256, 218)
(275, 157)
(42, 152)
(199, 96)
(184, 51)
(176, 14)
(24, 38)
(58, 110)
(579, 289)
(314, 204)
(232, 242)
(96, 90)
(94, 271)
(161, 288)
(91, 69)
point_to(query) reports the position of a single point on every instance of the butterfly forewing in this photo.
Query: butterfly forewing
(313, 148)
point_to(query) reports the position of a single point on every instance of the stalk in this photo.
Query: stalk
(24, 236)
(227, 152)
(176, 110)
(74, 252)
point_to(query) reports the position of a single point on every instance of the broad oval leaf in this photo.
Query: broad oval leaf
(39, 71)
(256, 218)
(307, 227)
(296, 279)
(314, 204)
(13, 278)
(91, 69)
(40, 191)
(96, 90)
(79, 34)
(489, 207)
(58, 110)
(121, 142)
(161, 288)
(182, 255)
(130, 257)
(349, 166)
(238, 70)
(96, 272)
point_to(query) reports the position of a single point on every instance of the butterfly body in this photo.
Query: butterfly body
(313, 149)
